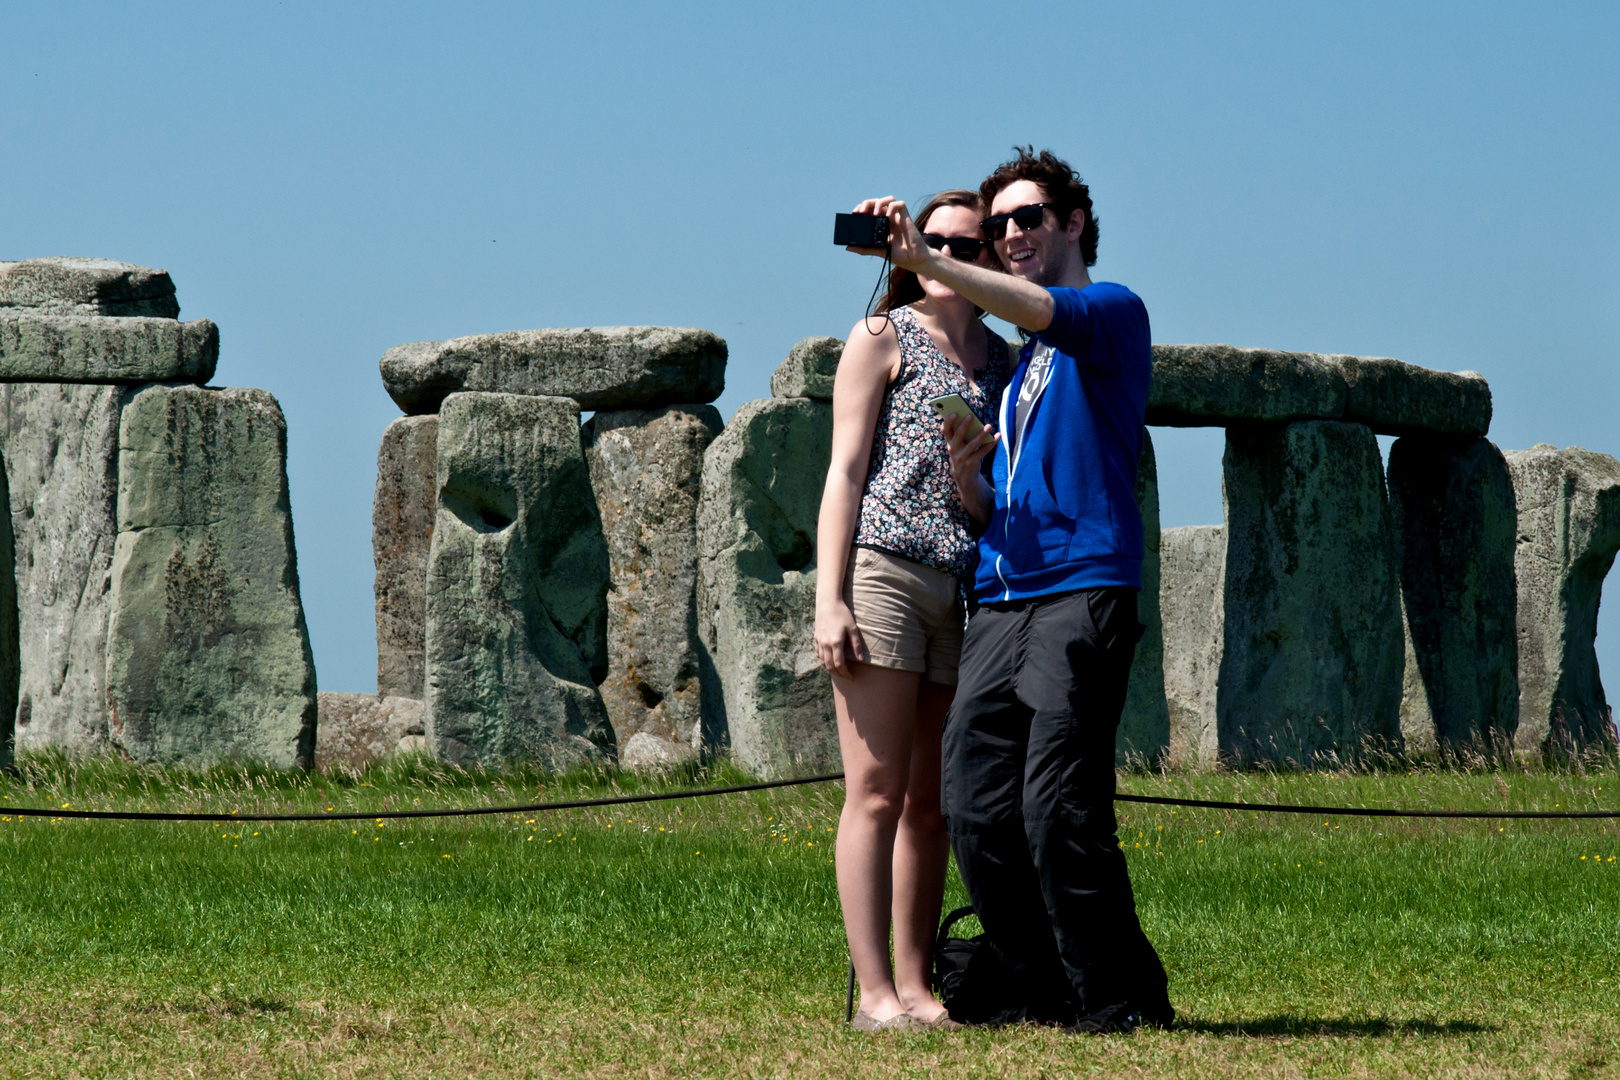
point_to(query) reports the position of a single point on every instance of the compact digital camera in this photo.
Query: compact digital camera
(861, 230)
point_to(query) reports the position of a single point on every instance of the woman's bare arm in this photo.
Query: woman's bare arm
(865, 369)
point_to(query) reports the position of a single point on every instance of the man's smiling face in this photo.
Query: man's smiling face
(1040, 254)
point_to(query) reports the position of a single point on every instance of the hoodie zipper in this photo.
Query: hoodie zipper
(1017, 453)
(1006, 518)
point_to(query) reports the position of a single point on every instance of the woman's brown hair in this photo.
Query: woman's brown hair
(904, 288)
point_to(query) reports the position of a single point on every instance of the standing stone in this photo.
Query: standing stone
(762, 481)
(401, 531)
(647, 471)
(76, 286)
(603, 367)
(60, 444)
(208, 657)
(1452, 506)
(1193, 567)
(1144, 725)
(10, 667)
(809, 369)
(517, 580)
(1569, 531)
(1312, 662)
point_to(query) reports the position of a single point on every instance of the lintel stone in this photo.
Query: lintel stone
(1218, 385)
(602, 367)
(1213, 385)
(61, 285)
(1397, 398)
(93, 349)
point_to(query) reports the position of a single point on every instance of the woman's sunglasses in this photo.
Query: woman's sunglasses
(1028, 217)
(962, 247)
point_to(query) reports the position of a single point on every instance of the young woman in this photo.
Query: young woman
(894, 543)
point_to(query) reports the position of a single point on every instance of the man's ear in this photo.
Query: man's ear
(1077, 224)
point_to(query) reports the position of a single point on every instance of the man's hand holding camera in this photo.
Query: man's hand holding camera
(906, 249)
(1006, 296)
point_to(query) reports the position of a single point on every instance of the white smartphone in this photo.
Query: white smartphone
(953, 405)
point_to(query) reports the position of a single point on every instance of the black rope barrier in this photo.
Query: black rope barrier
(471, 811)
(1364, 811)
(764, 785)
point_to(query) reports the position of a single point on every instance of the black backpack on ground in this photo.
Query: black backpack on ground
(977, 986)
(971, 980)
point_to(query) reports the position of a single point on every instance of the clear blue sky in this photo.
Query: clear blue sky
(1433, 182)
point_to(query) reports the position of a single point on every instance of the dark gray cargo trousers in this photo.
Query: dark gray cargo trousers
(1029, 800)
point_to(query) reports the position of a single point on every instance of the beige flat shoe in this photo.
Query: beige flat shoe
(942, 1022)
(899, 1022)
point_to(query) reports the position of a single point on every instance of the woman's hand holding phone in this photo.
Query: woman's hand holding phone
(967, 448)
(967, 442)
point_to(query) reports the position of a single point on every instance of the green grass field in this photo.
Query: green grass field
(702, 937)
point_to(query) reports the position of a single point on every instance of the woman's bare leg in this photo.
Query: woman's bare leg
(921, 854)
(877, 710)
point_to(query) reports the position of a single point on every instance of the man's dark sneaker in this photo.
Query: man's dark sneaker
(1158, 1015)
(1120, 1018)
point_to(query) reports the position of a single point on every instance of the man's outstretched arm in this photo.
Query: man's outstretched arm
(1020, 302)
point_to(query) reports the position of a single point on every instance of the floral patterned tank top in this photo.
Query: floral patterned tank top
(910, 506)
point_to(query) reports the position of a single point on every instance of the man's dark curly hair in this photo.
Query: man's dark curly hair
(1063, 186)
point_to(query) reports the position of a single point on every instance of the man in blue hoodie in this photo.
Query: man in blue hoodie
(1029, 745)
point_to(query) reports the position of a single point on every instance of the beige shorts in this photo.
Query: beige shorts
(909, 614)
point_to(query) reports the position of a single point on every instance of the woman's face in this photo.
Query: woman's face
(953, 221)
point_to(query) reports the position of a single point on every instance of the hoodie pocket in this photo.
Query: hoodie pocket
(1054, 526)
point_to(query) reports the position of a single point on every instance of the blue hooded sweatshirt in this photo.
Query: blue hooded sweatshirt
(1066, 515)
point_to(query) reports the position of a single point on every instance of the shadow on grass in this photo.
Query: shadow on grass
(1374, 1027)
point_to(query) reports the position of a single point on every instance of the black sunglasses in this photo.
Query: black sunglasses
(1028, 217)
(962, 247)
